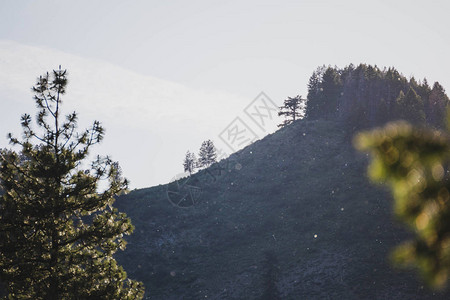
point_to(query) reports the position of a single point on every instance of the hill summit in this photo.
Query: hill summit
(291, 216)
(365, 96)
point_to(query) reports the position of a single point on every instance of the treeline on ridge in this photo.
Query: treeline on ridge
(366, 96)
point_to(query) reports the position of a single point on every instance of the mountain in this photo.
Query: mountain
(292, 216)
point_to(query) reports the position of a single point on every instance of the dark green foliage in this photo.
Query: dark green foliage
(207, 155)
(292, 109)
(58, 234)
(410, 107)
(315, 99)
(331, 88)
(366, 96)
(415, 164)
(436, 106)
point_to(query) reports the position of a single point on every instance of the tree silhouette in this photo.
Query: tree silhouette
(207, 155)
(365, 96)
(58, 233)
(292, 110)
(410, 107)
(190, 162)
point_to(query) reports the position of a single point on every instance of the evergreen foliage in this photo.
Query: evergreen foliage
(207, 155)
(366, 96)
(415, 163)
(292, 109)
(436, 105)
(58, 233)
(410, 106)
(190, 162)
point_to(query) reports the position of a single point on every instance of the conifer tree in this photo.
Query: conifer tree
(331, 92)
(365, 96)
(410, 107)
(438, 102)
(414, 162)
(292, 110)
(207, 155)
(58, 233)
(313, 108)
(190, 162)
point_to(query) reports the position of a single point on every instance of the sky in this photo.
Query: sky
(163, 76)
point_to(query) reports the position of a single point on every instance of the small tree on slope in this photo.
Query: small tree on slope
(58, 234)
(292, 109)
(207, 154)
(190, 162)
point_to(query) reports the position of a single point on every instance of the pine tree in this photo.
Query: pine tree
(292, 110)
(313, 107)
(410, 107)
(438, 103)
(58, 232)
(414, 162)
(190, 162)
(207, 155)
(331, 92)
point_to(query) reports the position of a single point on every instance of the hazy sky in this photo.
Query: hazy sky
(165, 75)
